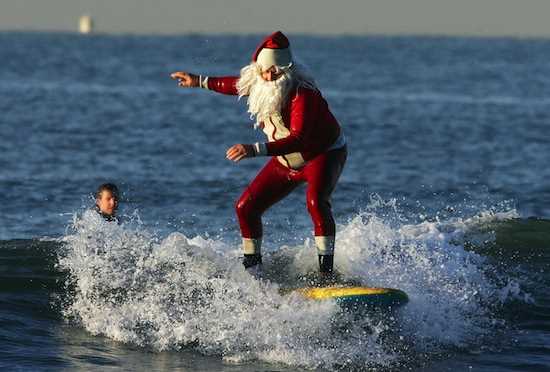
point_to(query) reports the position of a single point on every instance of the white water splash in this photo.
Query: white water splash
(175, 292)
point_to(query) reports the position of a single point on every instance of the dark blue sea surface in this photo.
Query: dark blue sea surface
(446, 195)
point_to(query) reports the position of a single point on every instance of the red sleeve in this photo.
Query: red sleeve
(303, 112)
(224, 85)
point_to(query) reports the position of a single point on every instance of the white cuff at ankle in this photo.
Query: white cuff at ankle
(325, 245)
(252, 246)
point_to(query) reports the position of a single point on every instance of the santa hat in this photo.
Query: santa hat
(273, 51)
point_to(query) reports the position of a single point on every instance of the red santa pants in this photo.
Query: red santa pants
(275, 181)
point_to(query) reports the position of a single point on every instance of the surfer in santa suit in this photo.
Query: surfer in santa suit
(304, 140)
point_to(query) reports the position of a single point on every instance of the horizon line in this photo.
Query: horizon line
(465, 35)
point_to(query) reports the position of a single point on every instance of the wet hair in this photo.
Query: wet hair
(111, 187)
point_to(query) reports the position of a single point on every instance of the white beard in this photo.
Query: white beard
(265, 98)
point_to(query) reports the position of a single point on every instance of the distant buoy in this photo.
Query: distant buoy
(86, 24)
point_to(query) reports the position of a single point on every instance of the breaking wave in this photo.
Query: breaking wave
(180, 292)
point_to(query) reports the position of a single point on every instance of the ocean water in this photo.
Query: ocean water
(445, 195)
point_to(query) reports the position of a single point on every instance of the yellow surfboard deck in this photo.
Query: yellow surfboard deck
(351, 295)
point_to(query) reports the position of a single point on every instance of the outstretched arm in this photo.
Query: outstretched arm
(224, 85)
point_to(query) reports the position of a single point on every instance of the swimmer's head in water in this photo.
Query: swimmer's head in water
(106, 199)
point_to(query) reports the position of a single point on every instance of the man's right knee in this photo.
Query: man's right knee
(243, 207)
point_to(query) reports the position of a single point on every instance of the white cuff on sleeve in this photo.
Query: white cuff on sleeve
(203, 82)
(260, 149)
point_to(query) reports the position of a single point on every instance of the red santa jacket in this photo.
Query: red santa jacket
(305, 128)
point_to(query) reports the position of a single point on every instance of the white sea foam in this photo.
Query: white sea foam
(180, 292)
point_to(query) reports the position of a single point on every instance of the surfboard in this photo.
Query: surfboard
(354, 296)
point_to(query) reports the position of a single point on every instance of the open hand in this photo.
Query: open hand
(185, 79)
(239, 151)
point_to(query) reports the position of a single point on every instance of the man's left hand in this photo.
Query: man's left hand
(239, 151)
